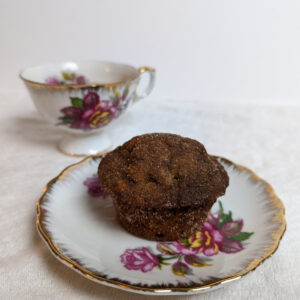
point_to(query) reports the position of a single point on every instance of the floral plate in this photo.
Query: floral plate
(76, 219)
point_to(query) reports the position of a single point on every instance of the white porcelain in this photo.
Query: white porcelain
(83, 97)
(78, 222)
(84, 145)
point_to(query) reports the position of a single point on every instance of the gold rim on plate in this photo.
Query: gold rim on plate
(276, 236)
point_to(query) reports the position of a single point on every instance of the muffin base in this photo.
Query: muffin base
(161, 224)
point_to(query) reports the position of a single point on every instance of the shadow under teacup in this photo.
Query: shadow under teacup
(82, 98)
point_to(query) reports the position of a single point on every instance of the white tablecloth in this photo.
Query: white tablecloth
(264, 138)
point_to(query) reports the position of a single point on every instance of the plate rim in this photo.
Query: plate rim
(277, 235)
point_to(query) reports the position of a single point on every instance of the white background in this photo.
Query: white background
(223, 51)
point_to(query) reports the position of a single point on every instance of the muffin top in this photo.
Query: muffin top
(161, 170)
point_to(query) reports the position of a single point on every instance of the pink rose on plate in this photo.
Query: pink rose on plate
(139, 259)
(219, 236)
(95, 188)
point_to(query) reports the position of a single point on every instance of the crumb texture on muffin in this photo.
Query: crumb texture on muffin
(162, 170)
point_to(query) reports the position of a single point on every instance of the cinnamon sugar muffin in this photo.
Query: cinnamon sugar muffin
(163, 185)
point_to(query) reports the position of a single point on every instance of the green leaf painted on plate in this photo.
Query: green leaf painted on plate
(229, 217)
(224, 218)
(185, 243)
(240, 237)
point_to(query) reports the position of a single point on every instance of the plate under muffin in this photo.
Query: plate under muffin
(76, 219)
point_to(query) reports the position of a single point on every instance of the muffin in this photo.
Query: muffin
(162, 185)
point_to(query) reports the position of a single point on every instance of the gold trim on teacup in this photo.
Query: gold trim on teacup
(276, 236)
(84, 86)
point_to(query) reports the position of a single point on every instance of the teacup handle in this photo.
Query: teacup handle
(151, 82)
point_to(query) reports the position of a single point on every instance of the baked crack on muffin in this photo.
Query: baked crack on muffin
(162, 185)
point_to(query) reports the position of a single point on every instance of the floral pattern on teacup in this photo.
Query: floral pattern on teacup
(88, 112)
(66, 78)
(220, 233)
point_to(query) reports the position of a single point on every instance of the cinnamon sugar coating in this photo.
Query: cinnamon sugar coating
(154, 178)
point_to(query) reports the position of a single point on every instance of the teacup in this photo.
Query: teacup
(82, 98)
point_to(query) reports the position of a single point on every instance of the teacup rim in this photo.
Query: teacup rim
(80, 86)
